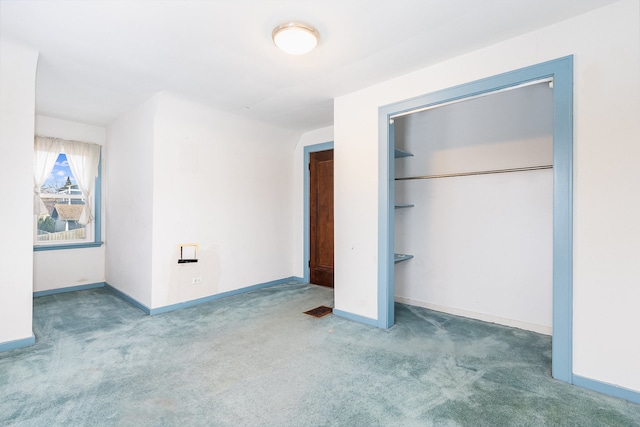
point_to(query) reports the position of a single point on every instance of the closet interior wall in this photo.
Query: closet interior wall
(482, 244)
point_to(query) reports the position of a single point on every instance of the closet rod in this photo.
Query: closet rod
(450, 175)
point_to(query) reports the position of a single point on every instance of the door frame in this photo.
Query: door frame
(561, 72)
(308, 149)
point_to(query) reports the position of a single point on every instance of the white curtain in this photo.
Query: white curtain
(83, 161)
(46, 153)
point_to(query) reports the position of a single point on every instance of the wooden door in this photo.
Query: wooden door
(321, 218)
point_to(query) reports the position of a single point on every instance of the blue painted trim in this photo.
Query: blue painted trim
(203, 300)
(605, 388)
(386, 208)
(40, 248)
(128, 299)
(97, 204)
(69, 289)
(562, 345)
(191, 303)
(97, 222)
(561, 70)
(12, 345)
(305, 197)
(355, 317)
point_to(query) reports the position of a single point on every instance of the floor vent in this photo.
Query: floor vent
(319, 311)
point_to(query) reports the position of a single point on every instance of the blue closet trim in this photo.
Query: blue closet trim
(561, 71)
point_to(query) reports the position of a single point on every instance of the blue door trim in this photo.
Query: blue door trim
(561, 71)
(305, 197)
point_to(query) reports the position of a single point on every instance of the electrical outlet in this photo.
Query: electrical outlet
(196, 280)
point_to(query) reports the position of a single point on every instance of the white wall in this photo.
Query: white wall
(606, 48)
(225, 183)
(482, 244)
(52, 269)
(128, 188)
(313, 137)
(17, 111)
(178, 173)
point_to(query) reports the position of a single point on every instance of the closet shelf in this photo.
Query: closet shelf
(401, 257)
(398, 153)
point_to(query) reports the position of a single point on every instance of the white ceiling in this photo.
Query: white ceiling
(99, 59)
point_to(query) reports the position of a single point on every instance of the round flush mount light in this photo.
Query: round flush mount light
(295, 38)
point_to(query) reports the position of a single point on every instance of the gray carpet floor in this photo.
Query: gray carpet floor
(256, 360)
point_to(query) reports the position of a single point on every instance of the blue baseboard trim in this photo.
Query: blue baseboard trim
(203, 300)
(610, 389)
(191, 303)
(128, 299)
(356, 317)
(12, 345)
(69, 289)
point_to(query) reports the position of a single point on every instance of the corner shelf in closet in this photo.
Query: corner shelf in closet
(398, 154)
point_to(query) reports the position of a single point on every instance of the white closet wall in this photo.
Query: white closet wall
(483, 243)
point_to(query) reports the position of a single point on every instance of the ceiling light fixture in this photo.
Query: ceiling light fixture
(295, 38)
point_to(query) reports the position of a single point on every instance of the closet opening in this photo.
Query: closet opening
(480, 190)
(486, 167)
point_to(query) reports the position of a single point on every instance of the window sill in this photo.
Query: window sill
(38, 248)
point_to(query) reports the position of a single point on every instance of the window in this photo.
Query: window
(66, 194)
